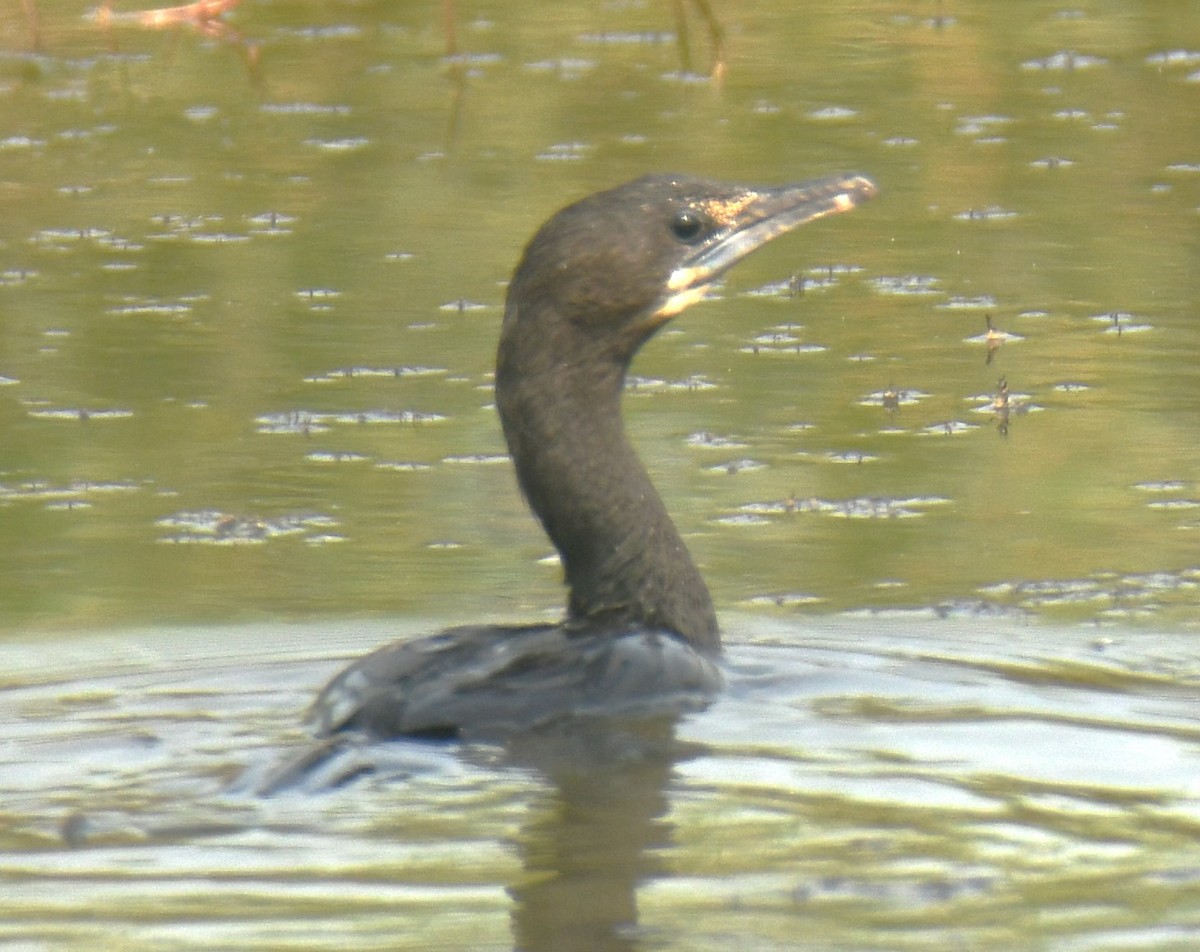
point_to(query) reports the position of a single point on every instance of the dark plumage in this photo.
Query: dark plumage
(640, 636)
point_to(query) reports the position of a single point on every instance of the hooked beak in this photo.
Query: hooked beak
(749, 224)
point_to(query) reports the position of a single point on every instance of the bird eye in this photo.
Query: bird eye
(687, 226)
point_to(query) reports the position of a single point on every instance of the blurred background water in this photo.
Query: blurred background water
(251, 280)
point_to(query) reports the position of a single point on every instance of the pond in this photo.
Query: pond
(937, 460)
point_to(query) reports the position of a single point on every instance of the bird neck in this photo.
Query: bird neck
(622, 556)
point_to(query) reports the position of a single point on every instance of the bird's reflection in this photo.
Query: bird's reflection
(594, 836)
(596, 827)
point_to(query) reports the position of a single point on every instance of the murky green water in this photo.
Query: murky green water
(248, 306)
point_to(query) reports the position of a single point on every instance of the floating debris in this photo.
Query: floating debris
(710, 441)
(992, 337)
(68, 505)
(566, 152)
(151, 308)
(909, 284)
(567, 67)
(953, 608)
(1052, 162)
(216, 238)
(177, 225)
(335, 456)
(385, 417)
(742, 519)
(862, 507)
(786, 288)
(476, 459)
(462, 306)
(474, 60)
(780, 340)
(798, 285)
(636, 384)
(346, 144)
(1121, 595)
(782, 600)
(271, 223)
(982, 127)
(84, 135)
(1065, 61)
(332, 31)
(774, 339)
(80, 414)
(319, 299)
(833, 270)
(214, 527)
(735, 466)
(1004, 405)
(20, 144)
(874, 507)
(323, 538)
(893, 398)
(1042, 592)
(1185, 59)
(16, 276)
(346, 373)
(695, 382)
(308, 422)
(201, 113)
(705, 439)
(292, 421)
(1161, 486)
(401, 466)
(773, 508)
(850, 456)
(613, 37)
(1170, 487)
(1121, 322)
(67, 496)
(833, 114)
(994, 402)
(304, 109)
(956, 303)
(948, 428)
(61, 238)
(990, 213)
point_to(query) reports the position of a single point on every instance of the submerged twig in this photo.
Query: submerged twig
(203, 16)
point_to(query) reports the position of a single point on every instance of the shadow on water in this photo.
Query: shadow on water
(863, 784)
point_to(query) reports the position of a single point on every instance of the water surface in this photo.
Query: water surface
(932, 785)
(250, 286)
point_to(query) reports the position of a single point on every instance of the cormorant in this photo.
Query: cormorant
(640, 637)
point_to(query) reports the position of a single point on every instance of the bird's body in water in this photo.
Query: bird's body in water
(640, 637)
